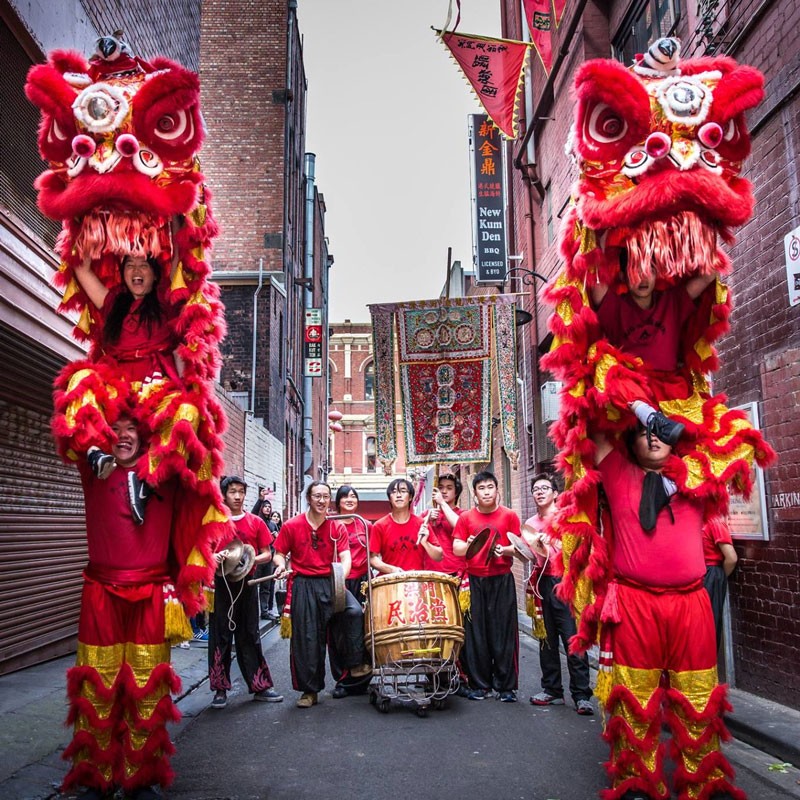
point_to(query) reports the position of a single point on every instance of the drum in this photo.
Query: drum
(338, 588)
(416, 616)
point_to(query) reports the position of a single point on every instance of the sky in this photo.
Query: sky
(387, 119)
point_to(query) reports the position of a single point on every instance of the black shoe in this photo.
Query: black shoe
(477, 694)
(138, 495)
(102, 464)
(220, 699)
(268, 696)
(92, 794)
(664, 429)
(463, 690)
(265, 616)
(635, 794)
(339, 692)
(654, 499)
(145, 793)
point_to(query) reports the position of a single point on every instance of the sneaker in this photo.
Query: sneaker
(665, 429)
(584, 707)
(220, 699)
(268, 696)
(339, 692)
(307, 699)
(463, 690)
(102, 464)
(546, 699)
(184, 646)
(201, 636)
(138, 495)
(273, 615)
(508, 697)
(477, 694)
(654, 499)
(361, 670)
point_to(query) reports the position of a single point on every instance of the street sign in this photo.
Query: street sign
(791, 244)
(312, 343)
(488, 201)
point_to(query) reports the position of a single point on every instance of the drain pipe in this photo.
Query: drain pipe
(308, 302)
(255, 338)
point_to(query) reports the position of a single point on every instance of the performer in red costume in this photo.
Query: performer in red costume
(490, 656)
(346, 502)
(658, 645)
(401, 539)
(119, 689)
(442, 519)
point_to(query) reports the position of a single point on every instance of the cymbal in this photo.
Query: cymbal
(478, 542)
(521, 546)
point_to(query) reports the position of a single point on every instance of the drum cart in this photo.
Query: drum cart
(420, 677)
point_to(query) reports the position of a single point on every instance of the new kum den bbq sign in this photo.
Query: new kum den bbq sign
(488, 223)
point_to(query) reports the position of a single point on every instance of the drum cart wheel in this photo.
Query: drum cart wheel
(439, 704)
(421, 711)
(383, 705)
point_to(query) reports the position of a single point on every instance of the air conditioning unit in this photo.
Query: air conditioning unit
(551, 402)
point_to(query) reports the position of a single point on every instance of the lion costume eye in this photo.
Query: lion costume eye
(175, 127)
(606, 125)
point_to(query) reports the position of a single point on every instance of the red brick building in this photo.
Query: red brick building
(761, 353)
(254, 95)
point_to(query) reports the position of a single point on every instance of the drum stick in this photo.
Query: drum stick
(268, 578)
(424, 522)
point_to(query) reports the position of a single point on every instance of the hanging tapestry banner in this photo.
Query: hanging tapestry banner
(537, 15)
(558, 10)
(495, 69)
(445, 353)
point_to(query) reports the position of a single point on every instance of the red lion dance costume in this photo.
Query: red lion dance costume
(659, 147)
(121, 137)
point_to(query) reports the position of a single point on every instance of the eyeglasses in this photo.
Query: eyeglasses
(321, 497)
(540, 489)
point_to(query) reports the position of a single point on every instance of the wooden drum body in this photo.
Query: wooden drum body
(416, 616)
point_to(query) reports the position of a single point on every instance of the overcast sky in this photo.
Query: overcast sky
(387, 119)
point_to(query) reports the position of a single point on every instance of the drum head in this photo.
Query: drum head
(338, 587)
(478, 542)
(521, 546)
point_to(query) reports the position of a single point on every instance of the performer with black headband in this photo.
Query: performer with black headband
(235, 614)
(314, 543)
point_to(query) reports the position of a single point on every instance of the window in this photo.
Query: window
(371, 453)
(369, 381)
(647, 21)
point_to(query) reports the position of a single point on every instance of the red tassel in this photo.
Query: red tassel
(611, 612)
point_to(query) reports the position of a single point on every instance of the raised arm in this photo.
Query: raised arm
(90, 283)
(602, 447)
(596, 294)
(697, 285)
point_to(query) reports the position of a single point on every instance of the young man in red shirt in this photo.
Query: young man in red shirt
(236, 606)
(401, 539)
(314, 542)
(559, 623)
(657, 642)
(490, 656)
(121, 635)
(442, 520)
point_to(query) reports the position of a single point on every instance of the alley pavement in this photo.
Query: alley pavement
(346, 749)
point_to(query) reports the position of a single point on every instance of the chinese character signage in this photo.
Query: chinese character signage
(488, 223)
(495, 68)
(312, 343)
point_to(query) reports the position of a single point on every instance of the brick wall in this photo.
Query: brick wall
(233, 437)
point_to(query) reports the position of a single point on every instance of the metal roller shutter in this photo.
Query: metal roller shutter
(42, 526)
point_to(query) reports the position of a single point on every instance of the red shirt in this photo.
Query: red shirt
(653, 334)
(295, 539)
(502, 520)
(397, 542)
(671, 554)
(251, 530)
(443, 532)
(555, 564)
(113, 538)
(358, 550)
(711, 539)
(142, 351)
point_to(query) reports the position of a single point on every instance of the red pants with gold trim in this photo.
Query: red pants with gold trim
(664, 668)
(119, 689)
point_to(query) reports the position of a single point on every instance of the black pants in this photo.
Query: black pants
(490, 656)
(340, 674)
(716, 584)
(244, 621)
(313, 622)
(560, 626)
(266, 590)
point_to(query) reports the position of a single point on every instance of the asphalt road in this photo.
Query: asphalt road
(346, 749)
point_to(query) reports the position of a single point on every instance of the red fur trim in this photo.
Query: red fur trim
(683, 740)
(85, 740)
(156, 745)
(82, 706)
(644, 780)
(47, 89)
(67, 61)
(713, 761)
(619, 728)
(84, 773)
(715, 788)
(717, 704)
(648, 713)
(157, 772)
